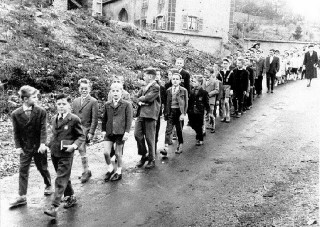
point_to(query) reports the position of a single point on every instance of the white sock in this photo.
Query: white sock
(119, 170)
(110, 168)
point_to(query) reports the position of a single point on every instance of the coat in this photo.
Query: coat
(117, 120)
(182, 100)
(29, 133)
(273, 67)
(259, 67)
(240, 81)
(198, 103)
(213, 90)
(151, 97)
(309, 61)
(185, 79)
(70, 129)
(87, 112)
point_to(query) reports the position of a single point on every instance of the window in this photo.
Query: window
(144, 4)
(192, 23)
(171, 15)
(160, 5)
(160, 23)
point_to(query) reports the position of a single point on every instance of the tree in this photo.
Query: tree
(298, 33)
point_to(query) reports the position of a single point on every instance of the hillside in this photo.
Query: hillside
(52, 50)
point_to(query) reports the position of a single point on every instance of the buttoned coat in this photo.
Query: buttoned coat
(69, 129)
(182, 97)
(272, 67)
(87, 112)
(309, 61)
(151, 98)
(260, 67)
(117, 120)
(29, 132)
(213, 90)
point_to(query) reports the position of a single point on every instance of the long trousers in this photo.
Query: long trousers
(238, 99)
(258, 85)
(62, 183)
(145, 131)
(196, 122)
(174, 120)
(42, 165)
(270, 79)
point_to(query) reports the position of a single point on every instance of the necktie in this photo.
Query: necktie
(28, 113)
(60, 119)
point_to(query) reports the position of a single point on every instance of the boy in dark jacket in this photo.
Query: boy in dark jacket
(116, 124)
(198, 104)
(30, 135)
(67, 137)
(239, 87)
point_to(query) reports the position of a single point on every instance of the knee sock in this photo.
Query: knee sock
(85, 166)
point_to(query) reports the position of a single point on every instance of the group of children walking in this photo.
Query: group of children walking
(225, 85)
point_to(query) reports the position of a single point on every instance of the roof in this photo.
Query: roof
(109, 1)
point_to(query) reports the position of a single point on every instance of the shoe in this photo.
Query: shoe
(141, 162)
(258, 96)
(164, 152)
(48, 190)
(308, 85)
(271, 91)
(150, 165)
(86, 176)
(199, 143)
(224, 120)
(108, 176)
(213, 130)
(179, 149)
(71, 201)
(174, 137)
(238, 115)
(20, 201)
(268, 91)
(116, 177)
(52, 211)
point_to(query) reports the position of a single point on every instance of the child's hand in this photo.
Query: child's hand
(42, 149)
(181, 118)
(125, 136)
(90, 136)
(19, 151)
(70, 148)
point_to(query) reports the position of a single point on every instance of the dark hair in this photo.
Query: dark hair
(63, 96)
(151, 71)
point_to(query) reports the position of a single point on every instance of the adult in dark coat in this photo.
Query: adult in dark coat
(272, 66)
(310, 64)
(185, 76)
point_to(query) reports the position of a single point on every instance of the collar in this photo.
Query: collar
(116, 101)
(85, 97)
(26, 108)
(63, 115)
(180, 70)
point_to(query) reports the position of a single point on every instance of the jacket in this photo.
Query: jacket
(182, 100)
(70, 129)
(185, 79)
(117, 120)
(272, 67)
(213, 89)
(240, 81)
(260, 67)
(29, 133)
(87, 112)
(198, 103)
(151, 98)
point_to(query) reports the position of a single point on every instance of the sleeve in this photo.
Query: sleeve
(16, 132)
(129, 117)
(53, 133)
(150, 96)
(304, 59)
(104, 119)
(165, 103)
(206, 102)
(94, 117)
(78, 132)
(186, 102)
(43, 126)
(187, 81)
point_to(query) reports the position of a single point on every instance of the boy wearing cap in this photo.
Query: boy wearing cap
(86, 108)
(148, 101)
(227, 80)
(67, 137)
(116, 124)
(30, 135)
(175, 110)
(198, 104)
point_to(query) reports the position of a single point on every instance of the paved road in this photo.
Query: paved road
(259, 170)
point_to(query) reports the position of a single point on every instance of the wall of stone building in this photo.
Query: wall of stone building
(112, 10)
(212, 45)
(60, 5)
(282, 46)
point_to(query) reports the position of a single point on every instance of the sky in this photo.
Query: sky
(310, 9)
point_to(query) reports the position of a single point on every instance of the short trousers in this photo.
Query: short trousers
(118, 139)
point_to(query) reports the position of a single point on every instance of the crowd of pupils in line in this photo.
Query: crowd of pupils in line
(229, 84)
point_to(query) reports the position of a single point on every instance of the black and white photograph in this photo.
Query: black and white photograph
(169, 113)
